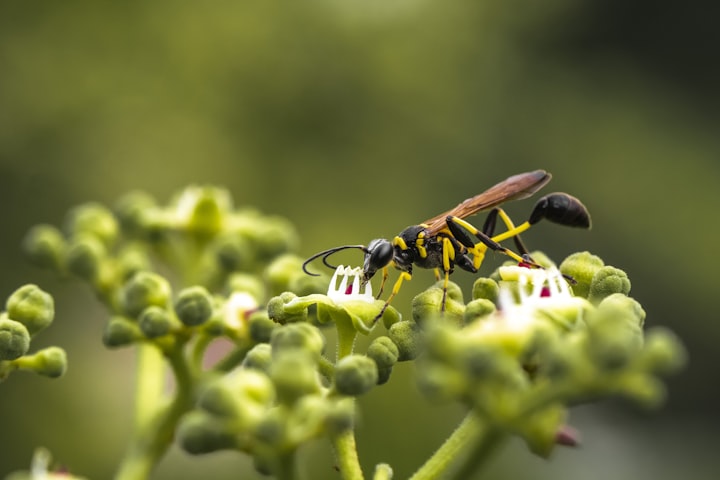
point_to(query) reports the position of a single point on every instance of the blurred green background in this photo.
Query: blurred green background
(354, 119)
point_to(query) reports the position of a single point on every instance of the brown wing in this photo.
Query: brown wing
(514, 188)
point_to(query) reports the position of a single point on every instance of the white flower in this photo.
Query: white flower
(342, 293)
(237, 308)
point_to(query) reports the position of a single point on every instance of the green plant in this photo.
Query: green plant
(517, 355)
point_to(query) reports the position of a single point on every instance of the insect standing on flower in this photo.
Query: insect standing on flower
(446, 240)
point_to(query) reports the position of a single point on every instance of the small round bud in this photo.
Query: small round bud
(427, 304)
(259, 357)
(199, 432)
(606, 281)
(294, 374)
(45, 246)
(340, 416)
(582, 267)
(203, 209)
(303, 285)
(301, 336)
(478, 308)
(132, 260)
(85, 256)
(384, 352)
(14, 339)
(663, 353)
(244, 282)
(49, 362)
(121, 331)
(194, 306)
(95, 220)
(32, 307)
(406, 336)
(486, 288)
(155, 322)
(273, 237)
(355, 375)
(144, 289)
(614, 335)
(233, 252)
(131, 210)
(620, 305)
(282, 271)
(261, 327)
(276, 310)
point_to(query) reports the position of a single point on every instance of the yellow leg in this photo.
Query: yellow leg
(396, 288)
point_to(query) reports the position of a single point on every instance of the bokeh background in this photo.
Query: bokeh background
(354, 119)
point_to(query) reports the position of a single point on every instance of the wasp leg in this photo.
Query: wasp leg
(490, 224)
(382, 284)
(396, 288)
(463, 230)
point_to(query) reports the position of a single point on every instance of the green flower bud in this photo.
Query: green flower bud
(244, 282)
(663, 353)
(131, 210)
(155, 322)
(14, 339)
(261, 327)
(259, 357)
(644, 389)
(428, 305)
(340, 416)
(85, 256)
(32, 307)
(199, 432)
(300, 336)
(144, 289)
(303, 285)
(120, 332)
(406, 336)
(132, 260)
(355, 375)
(606, 281)
(294, 374)
(384, 352)
(233, 252)
(282, 271)
(48, 362)
(478, 308)
(45, 246)
(194, 306)
(203, 209)
(486, 288)
(95, 220)
(614, 334)
(621, 305)
(271, 429)
(276, 310)
(274, 236)
(242, 396)
(582, 267)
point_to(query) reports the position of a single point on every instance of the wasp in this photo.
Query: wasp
(447, 240)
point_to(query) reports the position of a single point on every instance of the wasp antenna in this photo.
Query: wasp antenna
(326, 253)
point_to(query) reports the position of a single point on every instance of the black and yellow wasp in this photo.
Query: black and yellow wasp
(446, 240)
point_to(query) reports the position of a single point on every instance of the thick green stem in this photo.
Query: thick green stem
(155, 425)
(471, 431)
(346, 455)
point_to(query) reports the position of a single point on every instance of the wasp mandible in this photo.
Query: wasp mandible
(446, 240)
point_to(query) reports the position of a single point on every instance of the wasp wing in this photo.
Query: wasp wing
(513, 188)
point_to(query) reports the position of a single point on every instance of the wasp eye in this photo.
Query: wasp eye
(379, 255)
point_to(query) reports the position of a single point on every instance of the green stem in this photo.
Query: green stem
(286, 467)
(470, 431)
(346, 455)
(156, 427)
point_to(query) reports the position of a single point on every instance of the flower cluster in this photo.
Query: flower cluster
(536, 341)
(29, 310)
(216, 296)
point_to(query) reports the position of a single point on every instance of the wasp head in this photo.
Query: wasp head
(378, 254)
